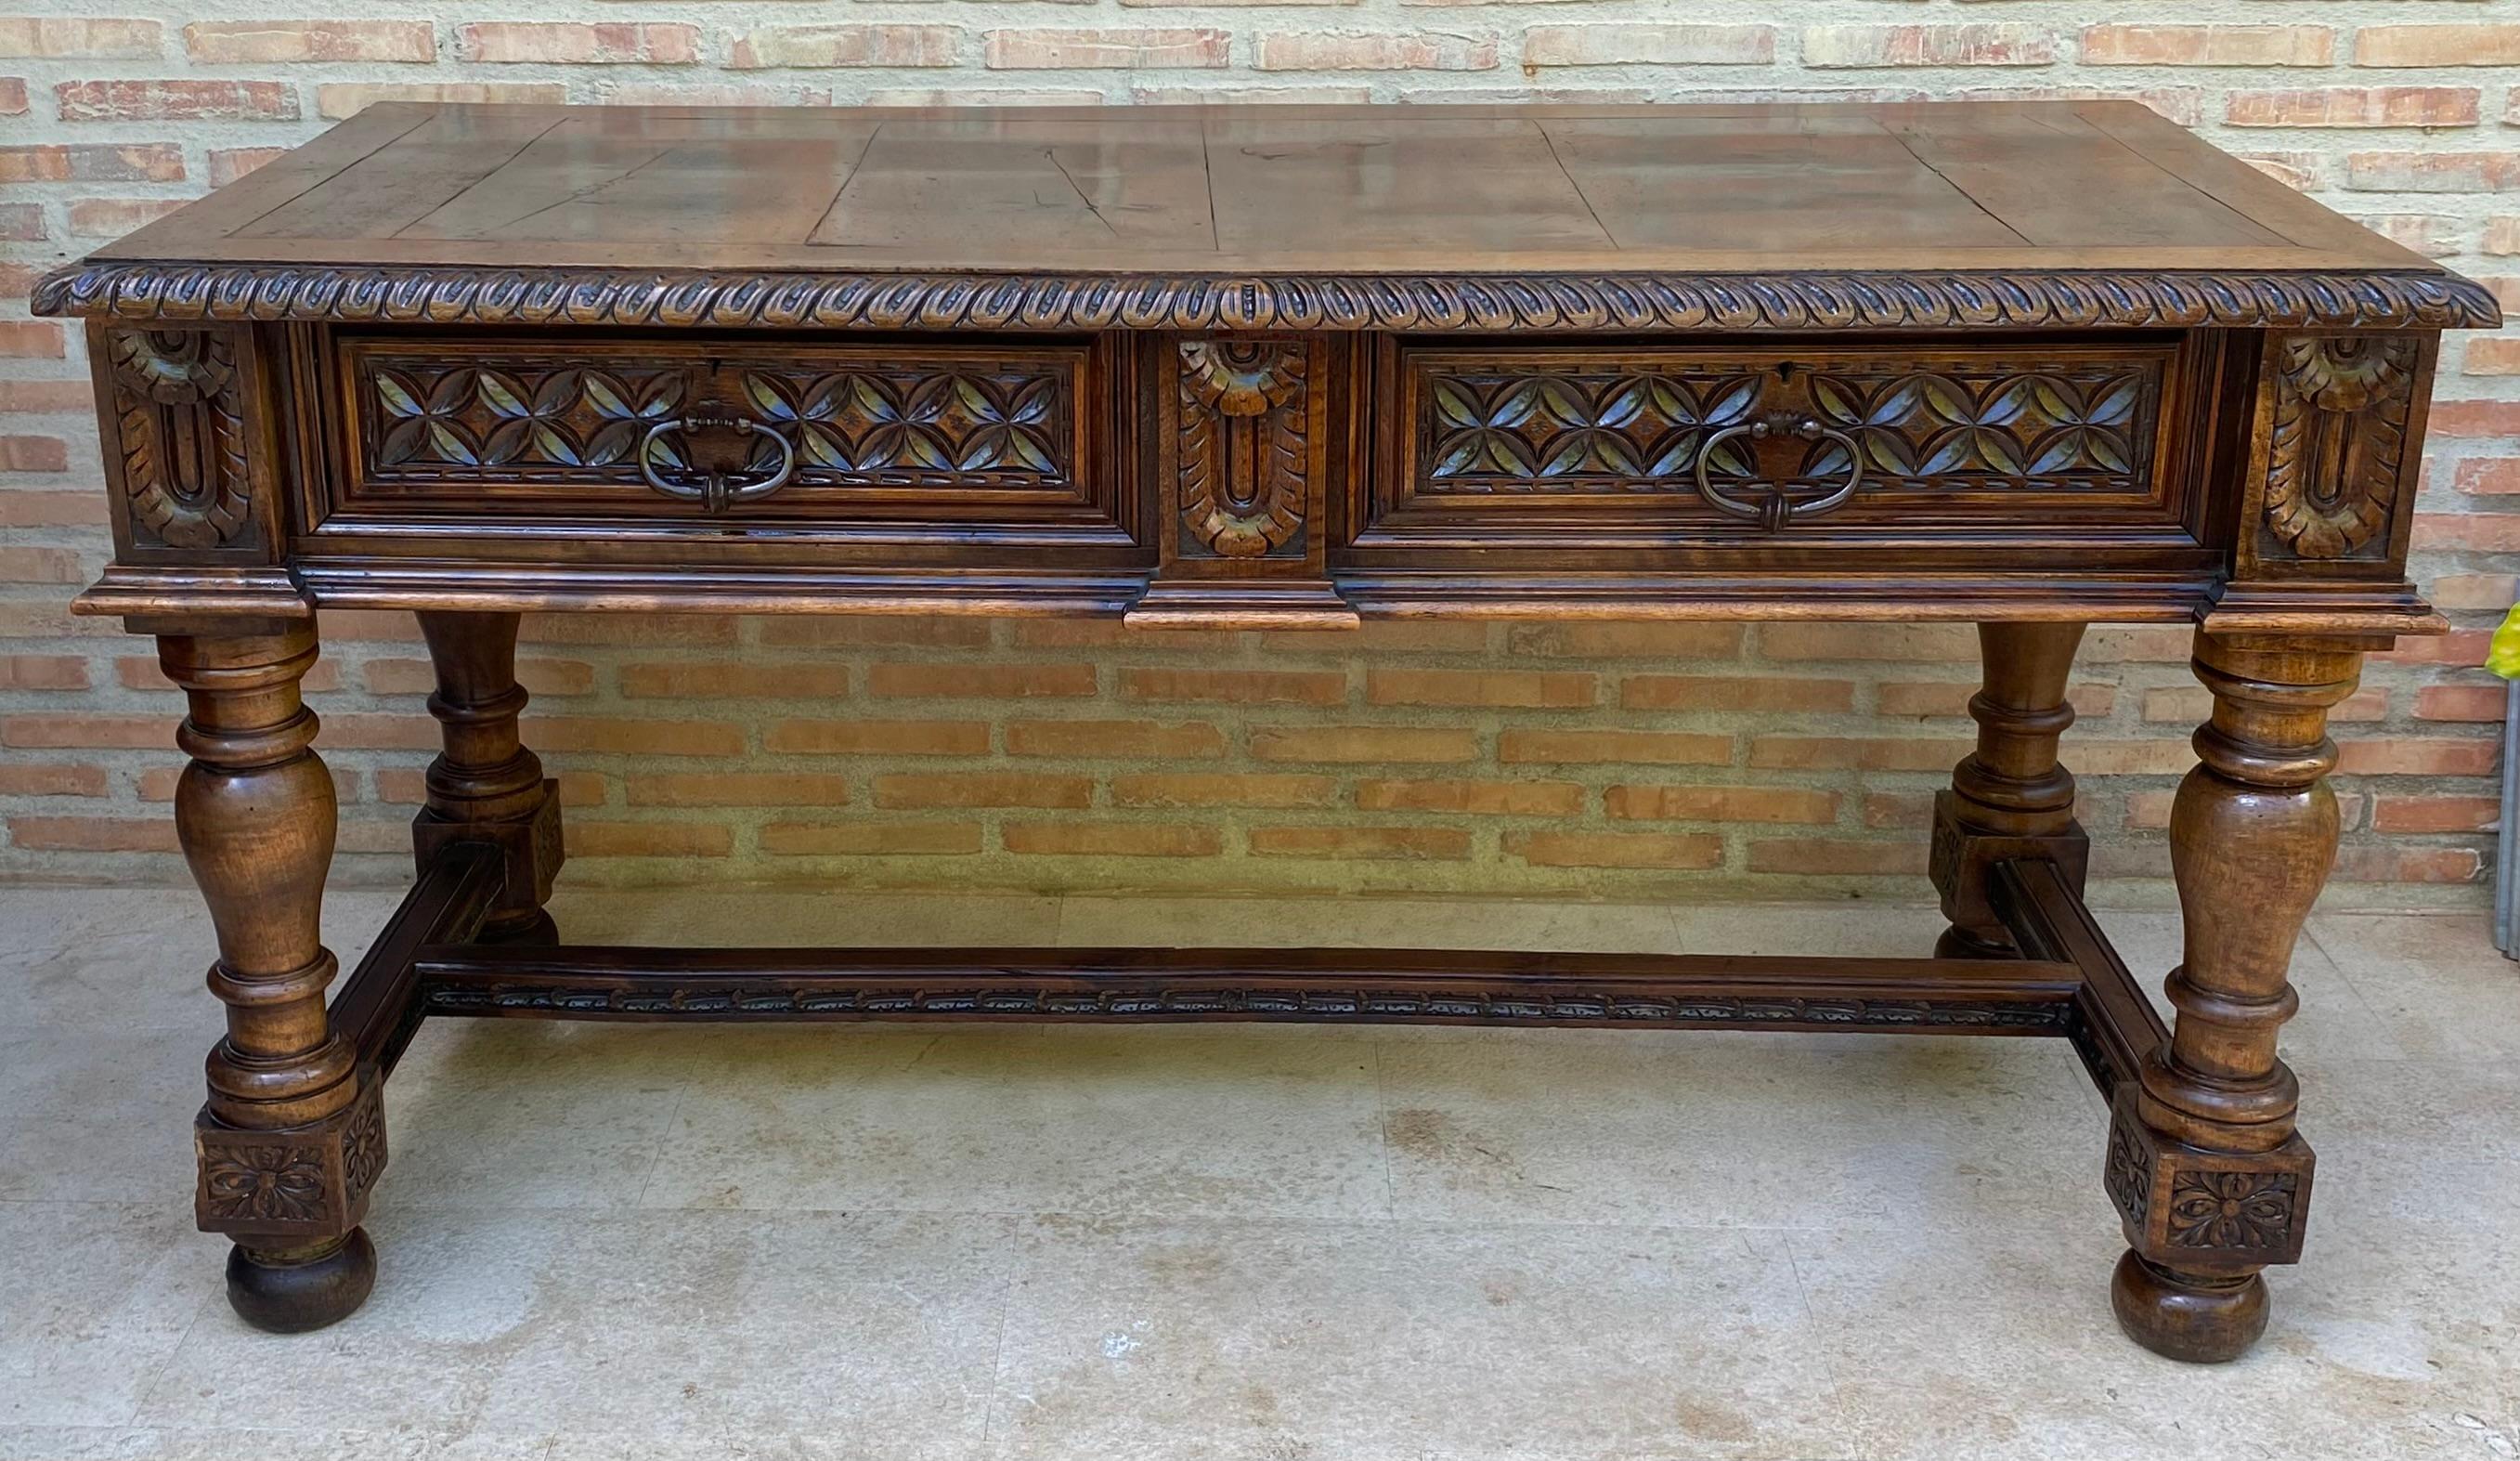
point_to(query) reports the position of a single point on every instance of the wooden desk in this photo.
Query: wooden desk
(2030, 365)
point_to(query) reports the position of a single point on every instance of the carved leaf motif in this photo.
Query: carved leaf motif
(2336, 442)
(180, 423)
(1243, 502)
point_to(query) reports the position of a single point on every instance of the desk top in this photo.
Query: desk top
(1572, 217)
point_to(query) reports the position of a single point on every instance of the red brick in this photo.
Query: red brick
(540, 677)
(1816, 858)
(857, 632)
(2354, 107)
(616, 736)
(871, 839)
(93, 162)
(35, 454)
(1324, 51)
(2412, 755)
(1371, 843)
(1113, 740)
(2209, 45)
(46, 731)
(1921, 642)
(724, 680)
(176, 101)
(1074, 839)
(1303, 686)
(50, 779)
(1673, 691)
(876, 737)
(739, 789)
(979, 682)
(2433, 171)
(38, 397)
(2489, 355)
(1221, 789)
(606, 44)
(2433, 235)
(1868, 754)
(2461, 419)
(1362, 743)
(1661, 639)
(2502, 234)
(2302, 173)
(1641, 850)
(589, 838)
(93, 834)
(1648, 45)
(1505, 799)
(1829, 47)
(2422, 814)
(1695, 803)
(254, 42)
(1503, 688)
(847, 45)
(1105, 48)
(2474, 591)
(981, 789)
(336, 99)
(22, 222)
(2476, 702)
(113, 217)
(42, 566)
(2402, 864)
(71, 38)
(31, 339)
(1643, 747)
(2437, 45)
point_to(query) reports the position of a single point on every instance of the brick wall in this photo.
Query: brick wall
(1616, 760)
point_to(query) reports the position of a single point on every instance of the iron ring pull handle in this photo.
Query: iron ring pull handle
(1774, 509)
(717, 491)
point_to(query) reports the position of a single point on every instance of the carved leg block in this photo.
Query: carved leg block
(485, 785)
(292, 1135)
(2204, 1164)
(2009, 797)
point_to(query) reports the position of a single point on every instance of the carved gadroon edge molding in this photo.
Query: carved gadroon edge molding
(177, 292)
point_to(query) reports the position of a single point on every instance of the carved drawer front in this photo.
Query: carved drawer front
(1634, 445)
(900, 437)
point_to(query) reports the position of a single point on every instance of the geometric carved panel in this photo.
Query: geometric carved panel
(1613, 426)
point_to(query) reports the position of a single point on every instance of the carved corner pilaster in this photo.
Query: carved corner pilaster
(2200, 1212)
(294, 1183)
(1245, 455)
(188, 444)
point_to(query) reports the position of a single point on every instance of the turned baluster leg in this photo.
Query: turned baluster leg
(485, 785)
(2203, 1163)
(292, 1135)
(2009, 797)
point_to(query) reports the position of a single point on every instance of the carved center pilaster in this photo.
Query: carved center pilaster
(179, 427)
(2336, 444)
(1242, 450)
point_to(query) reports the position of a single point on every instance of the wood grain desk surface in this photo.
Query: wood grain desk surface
(2084, 184)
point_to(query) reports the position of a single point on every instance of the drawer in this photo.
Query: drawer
(1635, 445)
(886, 441)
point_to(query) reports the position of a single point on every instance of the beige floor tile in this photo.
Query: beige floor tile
(1180, 1342)
(94, 1298)
(534, 1114)
(1077, 1119)
(1729, 1129)
(2435, 980)
(212, 1444)
(100, 1115)
(524, 1323)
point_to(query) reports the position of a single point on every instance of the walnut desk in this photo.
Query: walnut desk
(2033, 366)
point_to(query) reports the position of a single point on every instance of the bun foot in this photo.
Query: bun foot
(2187, 1316)
(290, 1291)
(1958, 943)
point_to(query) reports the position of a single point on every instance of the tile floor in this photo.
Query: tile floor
(1242, 1243)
